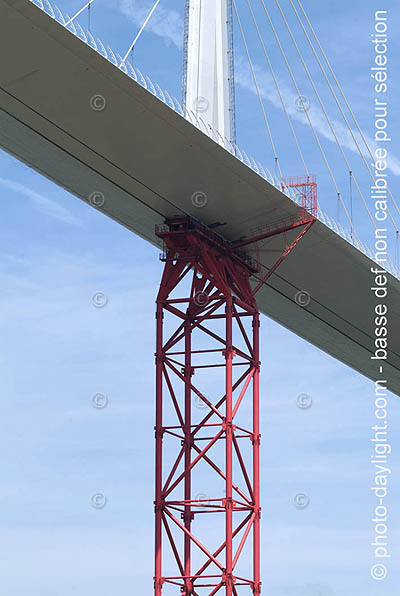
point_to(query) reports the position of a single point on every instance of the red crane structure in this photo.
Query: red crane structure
(207, 292)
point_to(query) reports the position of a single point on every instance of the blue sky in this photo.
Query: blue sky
(57, 450)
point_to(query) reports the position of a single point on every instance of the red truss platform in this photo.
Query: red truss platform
(307, 187)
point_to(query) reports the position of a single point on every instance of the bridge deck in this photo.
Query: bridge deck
(147, 160)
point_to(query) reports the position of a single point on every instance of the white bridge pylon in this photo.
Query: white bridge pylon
(208, 91)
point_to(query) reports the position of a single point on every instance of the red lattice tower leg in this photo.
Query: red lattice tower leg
(206, 289)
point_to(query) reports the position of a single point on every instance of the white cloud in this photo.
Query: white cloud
(268, 91)
(165, 23)
(45, 205)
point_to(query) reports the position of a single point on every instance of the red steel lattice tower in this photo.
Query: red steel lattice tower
(216, 305)
(208, 351)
